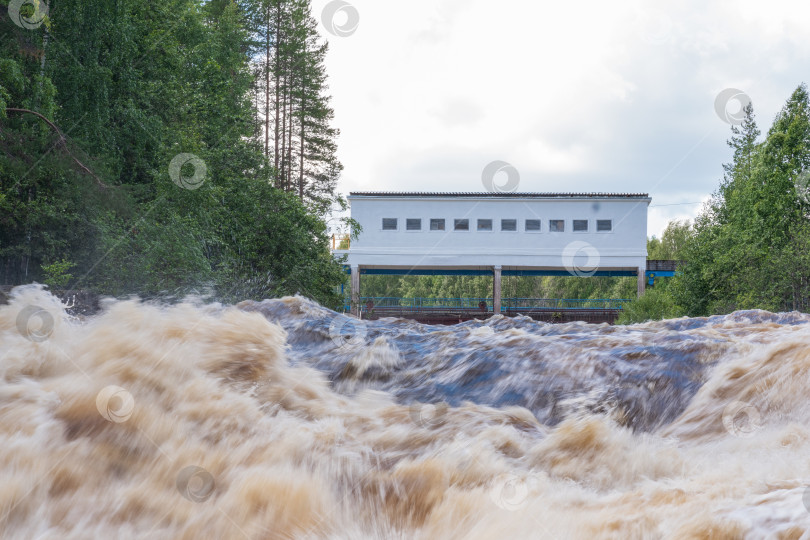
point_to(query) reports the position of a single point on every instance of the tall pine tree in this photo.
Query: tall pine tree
(297, 132)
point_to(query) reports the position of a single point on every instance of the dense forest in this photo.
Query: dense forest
(167, 147)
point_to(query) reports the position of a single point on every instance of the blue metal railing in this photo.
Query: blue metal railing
(507, 304)
(425, 302)
(565, 303)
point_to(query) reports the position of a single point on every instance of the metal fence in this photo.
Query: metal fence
(564, 303)
(425, 302)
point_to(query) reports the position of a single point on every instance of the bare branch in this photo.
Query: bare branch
(62, 140)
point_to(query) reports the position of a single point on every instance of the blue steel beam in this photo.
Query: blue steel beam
(658, 273)
(422, 272)
(522, 273)
(652, 274)
(563, 273)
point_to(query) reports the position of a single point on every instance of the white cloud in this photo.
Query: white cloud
(594, 96)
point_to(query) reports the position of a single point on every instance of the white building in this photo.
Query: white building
(581, 234)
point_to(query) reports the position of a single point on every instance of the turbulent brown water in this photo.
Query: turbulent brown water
(282, 419)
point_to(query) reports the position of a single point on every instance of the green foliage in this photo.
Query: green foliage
(673, 241)
(656, 304)
(12, 78)
(749, 245)
(57, 274)
(133, 84)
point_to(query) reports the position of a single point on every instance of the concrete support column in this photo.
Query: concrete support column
(496, 289)
(642, 281)
(356, 291)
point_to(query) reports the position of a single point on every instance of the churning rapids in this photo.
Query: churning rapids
(280, 419)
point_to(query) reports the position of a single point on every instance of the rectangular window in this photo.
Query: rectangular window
(556, 225)
(389, 224)
(532, 225)
(412, 224)
(508, 224)
(580, 225)
(461, 224)
(484, 224)
(436, 224)
(604, 225)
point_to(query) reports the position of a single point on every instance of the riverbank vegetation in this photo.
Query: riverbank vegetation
(749, 247)
(162, 148)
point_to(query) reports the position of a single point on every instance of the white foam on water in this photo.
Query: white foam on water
(276, 450)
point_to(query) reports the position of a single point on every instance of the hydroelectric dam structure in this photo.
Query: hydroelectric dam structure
(496, 235)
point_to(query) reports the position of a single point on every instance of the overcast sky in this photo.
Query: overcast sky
(579, 96)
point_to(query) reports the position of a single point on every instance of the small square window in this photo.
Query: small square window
(389, 224)
(556, 225)
(436, 224)
(484, 224)
(412, 224)
(532, 225)
(461, 224)
(580, 225)
(508, 224)
(604, 225)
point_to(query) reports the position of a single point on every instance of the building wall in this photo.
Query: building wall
(625, 246)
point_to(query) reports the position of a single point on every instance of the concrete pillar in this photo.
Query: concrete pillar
(356, 291)
(642, 281)
(496, 289)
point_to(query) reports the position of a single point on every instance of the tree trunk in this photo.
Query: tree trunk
(289, 143)
(301, 171)
(278, 86)
(283, 161)
(267, 87)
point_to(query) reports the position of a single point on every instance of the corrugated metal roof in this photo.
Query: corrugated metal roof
(490, 194)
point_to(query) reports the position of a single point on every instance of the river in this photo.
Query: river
(282, 419)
